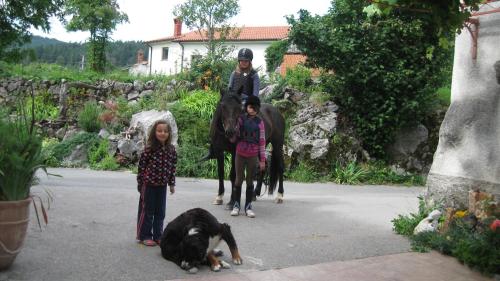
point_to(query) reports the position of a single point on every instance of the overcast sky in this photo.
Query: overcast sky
(153, 19)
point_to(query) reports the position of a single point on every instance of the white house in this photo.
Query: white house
(172, 54)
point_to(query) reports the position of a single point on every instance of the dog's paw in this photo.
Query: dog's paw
(216, 267)
(225, 265)
(192, 270)
(237, 261)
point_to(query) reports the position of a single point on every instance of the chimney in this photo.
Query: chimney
(140, 56)
(177, 27)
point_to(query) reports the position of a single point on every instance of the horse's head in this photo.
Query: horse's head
(230, 110)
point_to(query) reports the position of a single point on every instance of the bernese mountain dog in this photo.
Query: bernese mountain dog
(191, 238)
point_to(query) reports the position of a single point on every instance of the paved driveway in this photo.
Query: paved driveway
(91, 231)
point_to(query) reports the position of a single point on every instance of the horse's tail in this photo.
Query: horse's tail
(277, 167)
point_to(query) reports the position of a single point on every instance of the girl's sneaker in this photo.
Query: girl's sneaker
(149, 243)
(235, 211)
(250, 213)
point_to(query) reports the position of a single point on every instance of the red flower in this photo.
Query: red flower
(494, 225)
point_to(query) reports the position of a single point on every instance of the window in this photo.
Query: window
(195, 58)
(164, 53)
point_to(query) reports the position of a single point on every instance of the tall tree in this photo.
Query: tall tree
(16, 18)
(208, 17)
(100, 18)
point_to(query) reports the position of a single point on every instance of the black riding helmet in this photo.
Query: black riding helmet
(245, 54)
(254, 102)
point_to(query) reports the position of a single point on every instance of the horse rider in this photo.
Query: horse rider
(244, 79)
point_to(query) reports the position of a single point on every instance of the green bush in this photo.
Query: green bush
(45, 107)
(477, 247)
(386, 68)
(350, 174)
(189, 164)
(299, 78)
(274, 54)
(48, 146)
(20, 157)
(99, 157)
(405, 224)
(210, 73)
(88, 118)
(379, 173)
(64, 148)
(444, 95)
(303, 173)
(201, 103)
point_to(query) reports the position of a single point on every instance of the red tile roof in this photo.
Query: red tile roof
(254, 33)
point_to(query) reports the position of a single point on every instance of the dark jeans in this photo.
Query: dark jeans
(242, 165)
(151, 212)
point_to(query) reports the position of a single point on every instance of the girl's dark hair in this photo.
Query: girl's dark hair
(153, 142)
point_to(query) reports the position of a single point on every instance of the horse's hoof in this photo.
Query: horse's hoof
(229, 206)
(218, 200)
(279, 198)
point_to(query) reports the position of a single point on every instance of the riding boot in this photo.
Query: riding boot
(249, 195)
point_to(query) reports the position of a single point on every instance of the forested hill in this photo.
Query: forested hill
(49, 50)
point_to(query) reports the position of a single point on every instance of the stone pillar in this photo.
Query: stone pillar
(468, 153)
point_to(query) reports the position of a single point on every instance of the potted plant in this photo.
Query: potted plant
(20, 158)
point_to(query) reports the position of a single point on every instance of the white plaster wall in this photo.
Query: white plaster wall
(475, 81)
(167, 67)
(139, 69)
(468, 153)
(173, 64)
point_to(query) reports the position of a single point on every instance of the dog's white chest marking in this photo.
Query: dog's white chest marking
(213, 242)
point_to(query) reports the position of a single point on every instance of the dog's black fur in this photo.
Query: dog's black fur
(186, 240)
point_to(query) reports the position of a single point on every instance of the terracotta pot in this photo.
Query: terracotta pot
(14, 218)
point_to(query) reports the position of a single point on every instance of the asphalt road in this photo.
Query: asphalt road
(91, 230)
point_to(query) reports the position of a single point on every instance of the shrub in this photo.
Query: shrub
(405, 224)
(209, 73)
(476, 246)
(274, 54)
(386, 68)
(189, 164)
(45, 107)
(48, 146)
(64, 148)
(350, 174)
(303, 173)
(99, 157)
(379, 173)
(88, 118)
(299, 78)
(201, 103)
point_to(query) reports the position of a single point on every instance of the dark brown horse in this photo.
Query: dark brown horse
(224, 126)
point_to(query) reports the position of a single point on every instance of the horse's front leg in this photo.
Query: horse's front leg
(232, 178)
(281, 191)
(220, 173)
(258, 187)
